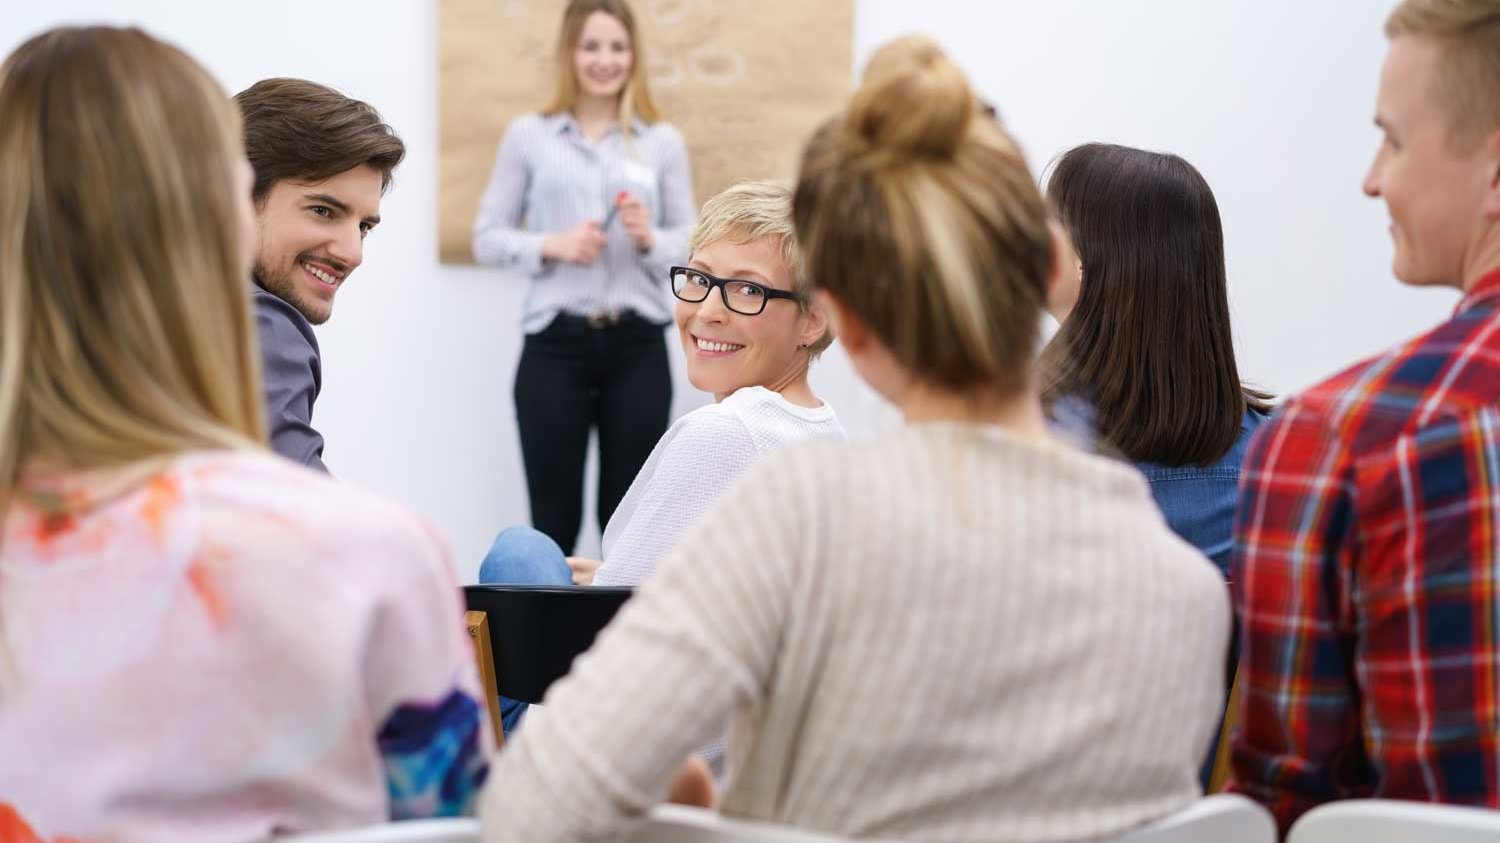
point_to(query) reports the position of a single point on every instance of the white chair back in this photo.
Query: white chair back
(1389, 821)
(1221, 818)
(408, 831)
(679, 824)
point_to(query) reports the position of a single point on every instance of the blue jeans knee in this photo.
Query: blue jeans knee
(523, 556)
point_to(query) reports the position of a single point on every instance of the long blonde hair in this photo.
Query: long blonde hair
(917, 211)
(125, 330)
(635, 97)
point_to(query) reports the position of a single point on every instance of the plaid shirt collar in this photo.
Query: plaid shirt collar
(1485, 290)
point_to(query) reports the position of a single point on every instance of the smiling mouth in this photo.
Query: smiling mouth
(714, 346)
(321, 275)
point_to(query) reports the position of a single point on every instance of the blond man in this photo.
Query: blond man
(1366, 565)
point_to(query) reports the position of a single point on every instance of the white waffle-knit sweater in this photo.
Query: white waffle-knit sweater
(946, 634)
(700, 456)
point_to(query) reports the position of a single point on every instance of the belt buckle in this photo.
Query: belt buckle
(604, 319)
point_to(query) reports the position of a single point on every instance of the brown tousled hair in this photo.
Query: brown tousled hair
(306, 132)
(1148, 343)
(917, 212)
(635, 97)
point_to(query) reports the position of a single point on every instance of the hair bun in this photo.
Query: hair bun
(912, 101)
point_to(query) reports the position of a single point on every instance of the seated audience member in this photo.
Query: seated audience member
(1365, 565)
(749, 332)
(198, 640)
(1145, 355)
(1145, 344)
(322, 162)
(962, 630)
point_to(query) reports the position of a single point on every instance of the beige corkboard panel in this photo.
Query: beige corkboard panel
(744, 82)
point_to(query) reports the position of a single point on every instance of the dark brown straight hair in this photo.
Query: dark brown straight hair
(1148, 343)
(306, 132)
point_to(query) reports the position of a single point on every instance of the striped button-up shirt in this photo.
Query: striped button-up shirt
(1365, 568)
(548, 178)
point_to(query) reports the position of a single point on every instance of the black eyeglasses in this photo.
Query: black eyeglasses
(743, 297)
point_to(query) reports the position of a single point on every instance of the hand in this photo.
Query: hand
(583, 569)
(636, 218)
(582, 243)
(693, 784)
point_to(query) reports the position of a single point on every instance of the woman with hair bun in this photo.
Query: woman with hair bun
(962, 630)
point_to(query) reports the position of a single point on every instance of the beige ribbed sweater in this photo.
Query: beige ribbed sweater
(947, 634)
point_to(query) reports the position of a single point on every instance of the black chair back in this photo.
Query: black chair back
(537, 630)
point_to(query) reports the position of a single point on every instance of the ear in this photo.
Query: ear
(1062, 292)
(1492, 190)
(1059, 259)
(852, 334)
(815, 322)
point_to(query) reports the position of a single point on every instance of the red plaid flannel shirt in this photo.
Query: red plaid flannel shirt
(1366, 574)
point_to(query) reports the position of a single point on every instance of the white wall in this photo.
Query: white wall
(1271, 99)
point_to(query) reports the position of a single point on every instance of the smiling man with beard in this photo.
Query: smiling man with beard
(322, 162)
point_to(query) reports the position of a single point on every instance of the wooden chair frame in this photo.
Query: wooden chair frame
(478, 624)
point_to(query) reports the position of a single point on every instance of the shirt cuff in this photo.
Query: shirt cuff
(667, 248)
(529, 253)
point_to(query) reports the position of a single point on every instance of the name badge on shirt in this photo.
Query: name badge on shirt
(638, 173)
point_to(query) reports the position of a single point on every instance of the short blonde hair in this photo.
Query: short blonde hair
(918, 212)
(1468, 79)
(747, 211)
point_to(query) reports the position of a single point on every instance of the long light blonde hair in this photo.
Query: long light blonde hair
(125, 330)
(635, 97)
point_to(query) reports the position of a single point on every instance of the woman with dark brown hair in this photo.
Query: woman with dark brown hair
(1145, 352)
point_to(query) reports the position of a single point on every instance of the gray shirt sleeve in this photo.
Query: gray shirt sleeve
(498, 239)
(678, 211)
(291, 369)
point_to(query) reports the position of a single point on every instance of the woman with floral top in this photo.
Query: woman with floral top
(198, 640)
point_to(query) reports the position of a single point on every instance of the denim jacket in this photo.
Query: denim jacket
(1199, 501)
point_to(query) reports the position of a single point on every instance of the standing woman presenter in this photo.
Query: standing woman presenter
(592, 199)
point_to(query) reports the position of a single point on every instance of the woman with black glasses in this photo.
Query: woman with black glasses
(749, 332)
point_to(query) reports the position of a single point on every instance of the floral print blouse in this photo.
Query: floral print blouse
(225, 646)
